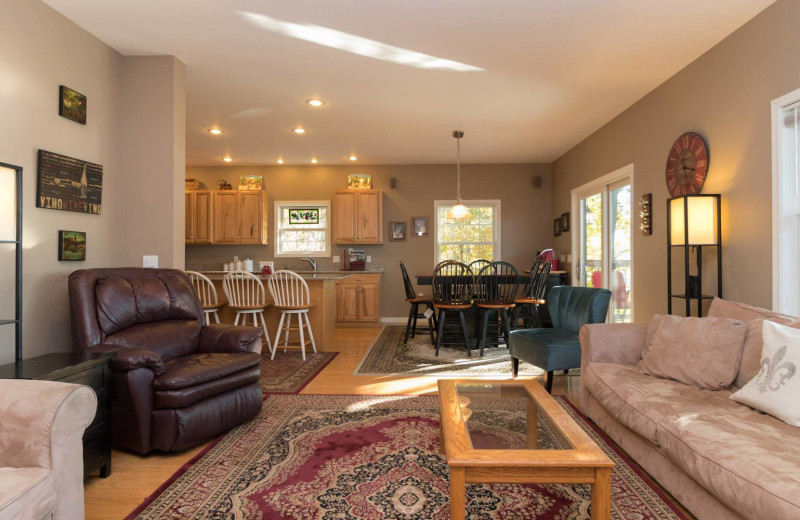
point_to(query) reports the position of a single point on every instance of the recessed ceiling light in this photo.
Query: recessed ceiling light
(299, 131)
(226, 159)
(280, 161)
(316, 103)
(353, 157)
(214, 131)
(313, 161)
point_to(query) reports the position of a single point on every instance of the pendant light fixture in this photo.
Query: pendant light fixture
(459, 211)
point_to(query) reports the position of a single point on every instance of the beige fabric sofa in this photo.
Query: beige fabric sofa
(720, 459)
(41, 449)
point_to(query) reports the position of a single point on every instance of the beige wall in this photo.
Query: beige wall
(525, 227)
(153, 159)
(42, 50)
(725, 96)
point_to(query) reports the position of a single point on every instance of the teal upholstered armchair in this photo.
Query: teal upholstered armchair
(558, 348)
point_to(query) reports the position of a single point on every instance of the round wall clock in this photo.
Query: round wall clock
(687, 165)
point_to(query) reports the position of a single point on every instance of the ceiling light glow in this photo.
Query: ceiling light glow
(299, 131)
(227, 159)
(214, 131)
(316, 103)
(355, 44)
(280, 161)
(314, 161)
(353, 158)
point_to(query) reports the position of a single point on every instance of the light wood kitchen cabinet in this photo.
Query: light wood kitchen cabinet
(240, 217)
(199, 212)
(358, 298)
(358, 217)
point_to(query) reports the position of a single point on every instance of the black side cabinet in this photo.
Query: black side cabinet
(90, 370)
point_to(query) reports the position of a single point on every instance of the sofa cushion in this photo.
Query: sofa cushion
(754, 318)
(168, 339)
(776, 388)
(703, 352)
(27, 493)
(746, 459)
(183, 397)
(196, 369)
(640, 401)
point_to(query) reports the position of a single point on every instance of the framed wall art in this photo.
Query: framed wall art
(419, 226)
(557, 227)
(304, 216)
(565, 222)
(71, 104)
(251, 182)
(397, 231)
(68, 184)
(71, 246)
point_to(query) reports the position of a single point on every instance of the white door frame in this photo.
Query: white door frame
(779, 282)
(600, 185)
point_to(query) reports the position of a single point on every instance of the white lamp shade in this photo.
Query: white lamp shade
(703, 214)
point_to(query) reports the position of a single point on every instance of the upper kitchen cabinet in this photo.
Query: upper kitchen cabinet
(240, 217)
(358, 217)
(199, 212)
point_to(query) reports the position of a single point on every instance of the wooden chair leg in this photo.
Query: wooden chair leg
(484, 327)
(432, 325)
(464, 332)
(310, 334)
(415, 313)
(548, 381)
(515, 317)
(302, 336)
(514, 367)
(277, 336)
(506, 325)
(440, 333)
(411, 310)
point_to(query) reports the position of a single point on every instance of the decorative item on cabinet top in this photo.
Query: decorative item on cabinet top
(251, 182)
(192, 184)
(359, 181)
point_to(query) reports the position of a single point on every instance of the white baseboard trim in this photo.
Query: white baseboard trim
(389, 320)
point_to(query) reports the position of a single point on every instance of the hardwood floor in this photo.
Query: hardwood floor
(134, 477)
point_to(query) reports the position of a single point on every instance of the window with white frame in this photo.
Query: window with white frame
(466, 240)
(786, 203)
(302, 228)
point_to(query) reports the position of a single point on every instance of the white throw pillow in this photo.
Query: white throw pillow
(776, 388)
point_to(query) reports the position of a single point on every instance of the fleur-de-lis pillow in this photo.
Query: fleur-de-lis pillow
(776, 387)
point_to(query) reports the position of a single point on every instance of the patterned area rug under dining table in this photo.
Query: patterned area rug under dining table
(332, 457)
(389, 356)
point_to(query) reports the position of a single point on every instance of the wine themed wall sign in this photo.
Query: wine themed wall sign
(68, 184)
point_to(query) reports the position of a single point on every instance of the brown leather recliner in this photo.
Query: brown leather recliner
(176, 381)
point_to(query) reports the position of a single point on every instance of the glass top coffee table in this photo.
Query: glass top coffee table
(515, 432)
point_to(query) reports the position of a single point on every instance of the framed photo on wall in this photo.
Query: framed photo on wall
(397, 231)
(419, 226)
(71, 246)
(71, 104)
(557, 227)
(565, 222)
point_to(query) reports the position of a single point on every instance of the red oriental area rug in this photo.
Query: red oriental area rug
(359, 457)
(288, 373)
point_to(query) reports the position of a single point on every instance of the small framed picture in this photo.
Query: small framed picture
(71, 246)
(565, 222)
(251, 182)
(304, 216)
(71, 104)
(397, 231)
(557, 227)
(419, 226)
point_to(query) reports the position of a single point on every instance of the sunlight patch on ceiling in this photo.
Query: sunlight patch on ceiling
(356, 44)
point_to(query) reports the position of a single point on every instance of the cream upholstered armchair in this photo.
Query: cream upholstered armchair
(41, 449)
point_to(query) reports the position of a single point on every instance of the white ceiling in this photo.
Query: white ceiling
(552, 71)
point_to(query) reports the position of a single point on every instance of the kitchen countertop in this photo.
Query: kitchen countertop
(307, 275)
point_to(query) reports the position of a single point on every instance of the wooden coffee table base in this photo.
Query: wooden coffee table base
(585, 463)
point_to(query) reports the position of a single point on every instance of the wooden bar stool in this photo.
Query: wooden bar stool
(527, 305)
(246, 296)
(496, 289)
(207, 294)
(452, 292)
(413, 313)
(290, 295)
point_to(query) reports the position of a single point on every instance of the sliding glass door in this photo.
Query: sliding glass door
(604, 252)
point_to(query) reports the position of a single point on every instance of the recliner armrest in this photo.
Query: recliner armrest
(222, 337)
(127, 359)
